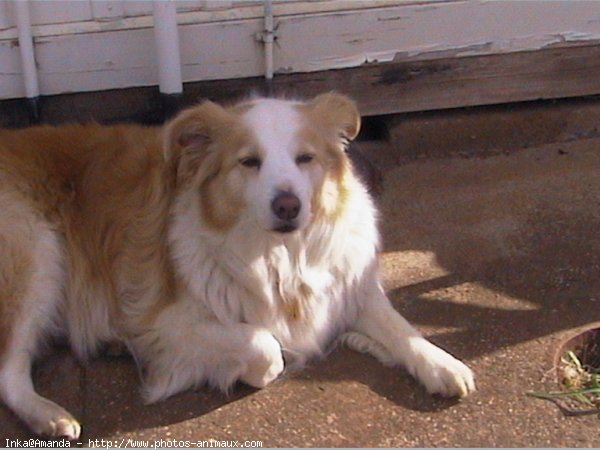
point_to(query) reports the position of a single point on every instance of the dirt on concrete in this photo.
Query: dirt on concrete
(496, 259)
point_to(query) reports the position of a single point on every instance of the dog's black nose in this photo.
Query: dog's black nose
(286, 206)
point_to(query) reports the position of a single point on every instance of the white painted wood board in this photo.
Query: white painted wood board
(110, 49)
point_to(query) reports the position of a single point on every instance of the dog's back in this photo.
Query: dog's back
(69, 198)
(54, 166)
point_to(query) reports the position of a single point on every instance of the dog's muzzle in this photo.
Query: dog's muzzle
(286, 207)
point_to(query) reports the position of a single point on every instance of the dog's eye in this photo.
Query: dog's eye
(305, 158)
(251, 162)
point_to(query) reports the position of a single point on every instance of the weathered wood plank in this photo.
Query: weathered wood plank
(389, 88)
(384, 88)
(458, 82)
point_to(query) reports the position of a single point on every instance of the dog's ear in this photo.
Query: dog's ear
(336, 112)
(188, 137)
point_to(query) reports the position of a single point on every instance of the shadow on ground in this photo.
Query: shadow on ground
(523, 228)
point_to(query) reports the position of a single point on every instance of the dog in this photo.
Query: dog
(227, 245)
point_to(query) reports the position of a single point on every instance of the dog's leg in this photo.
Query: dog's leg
(387, 335)
(184, 352)
(31, 273)
(43, 416)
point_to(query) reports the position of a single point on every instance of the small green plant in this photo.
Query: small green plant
(581, 382)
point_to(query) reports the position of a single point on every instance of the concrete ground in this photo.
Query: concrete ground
(492, 250)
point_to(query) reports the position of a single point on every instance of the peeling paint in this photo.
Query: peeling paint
(436, 53)
(391, 19)
(335, 62)
(430, 31)
(360, 41)
(575, 36)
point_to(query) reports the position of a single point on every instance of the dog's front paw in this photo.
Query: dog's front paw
(265, 361)
(440, 372)
(65, 427)
(52, 421)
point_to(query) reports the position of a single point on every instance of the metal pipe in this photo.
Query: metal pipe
(268, 39)
(167, 53)
(30, 76)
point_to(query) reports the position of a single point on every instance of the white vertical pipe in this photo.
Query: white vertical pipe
(167, 47)
(32, 89)
(268, 38)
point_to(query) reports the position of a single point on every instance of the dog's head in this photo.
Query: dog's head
(275, 162)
